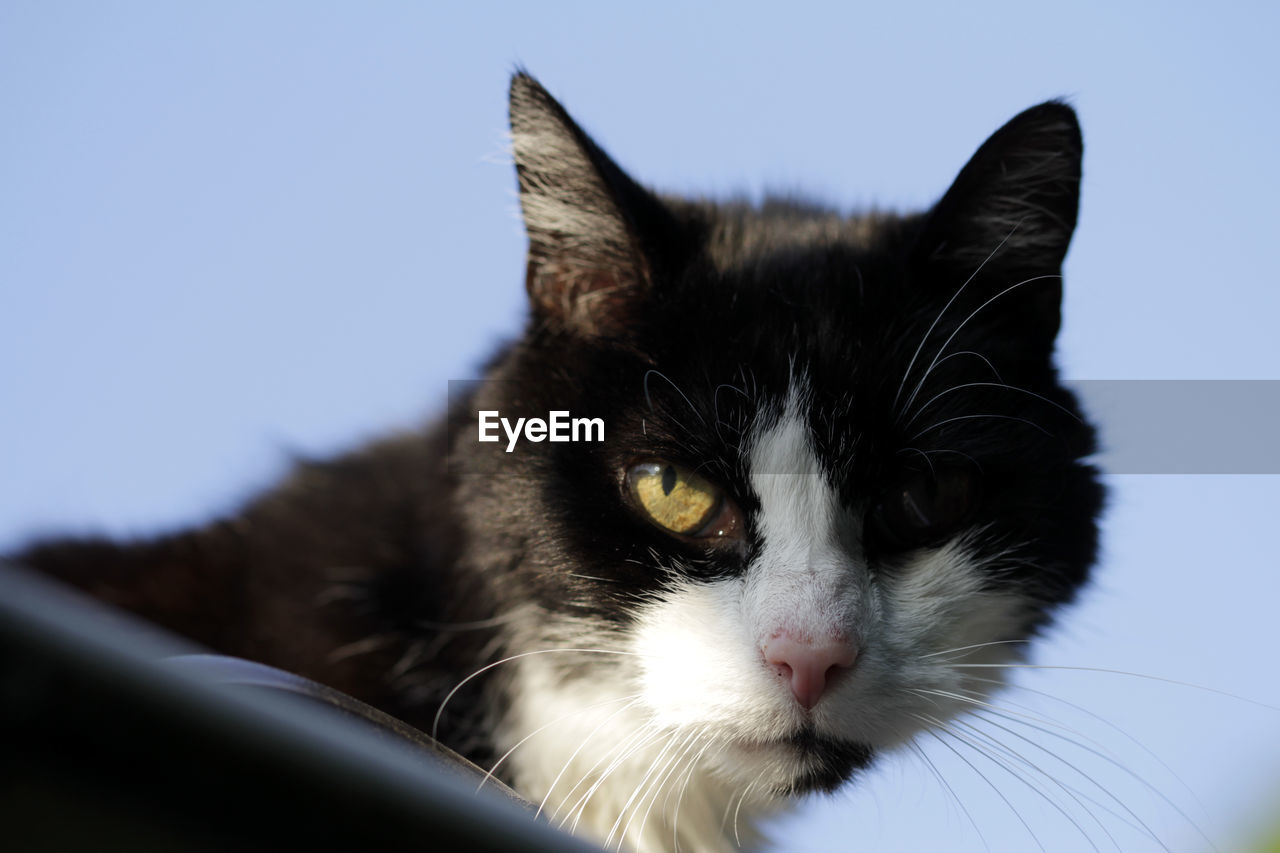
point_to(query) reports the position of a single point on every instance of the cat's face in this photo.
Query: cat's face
(837, 464)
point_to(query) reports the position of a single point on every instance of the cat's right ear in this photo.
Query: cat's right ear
(590, 226)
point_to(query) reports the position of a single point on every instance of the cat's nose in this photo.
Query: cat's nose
(808, 666)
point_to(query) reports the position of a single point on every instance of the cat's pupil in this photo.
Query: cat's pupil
(668, 479)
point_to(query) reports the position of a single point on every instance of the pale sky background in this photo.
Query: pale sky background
(231, 231)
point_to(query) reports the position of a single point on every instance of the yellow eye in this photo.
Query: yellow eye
(677, 499)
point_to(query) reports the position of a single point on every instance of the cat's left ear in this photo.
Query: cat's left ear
(591, 228)
(1008, 218)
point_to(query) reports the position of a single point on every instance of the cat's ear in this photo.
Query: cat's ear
(1011, 213)
(588, 223)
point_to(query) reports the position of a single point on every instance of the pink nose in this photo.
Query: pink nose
(808, 666)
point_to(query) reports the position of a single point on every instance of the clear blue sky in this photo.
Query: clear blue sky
(232, 231)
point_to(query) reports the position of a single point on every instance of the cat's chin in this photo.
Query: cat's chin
(803, 763)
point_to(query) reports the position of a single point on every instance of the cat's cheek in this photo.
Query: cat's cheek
(946, 637)
(941, 607)
(700, 666)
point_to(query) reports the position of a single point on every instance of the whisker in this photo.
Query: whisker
(615, 756)
(927, 453)
(646, 735)
(1138, 822)
(729, 806)
(636, 791)
(965, 322)
(660, 782)
(977, 355)
(1101, 719)
(644, 786)
(931, 723)
(1012, 755)
(946, 421)
(649, 402)
(1101, 753)
(435, 724)
(915, 747)
(598, 579)
(684, 789)
(1008, 715)
(920, 409)
(977, 646)
(1046, 726)
(686, 762)
(545, 726)
(715, 406)
(580, 747)
(927, 460)
(1157, 678)
(737, 811)
(928, 333)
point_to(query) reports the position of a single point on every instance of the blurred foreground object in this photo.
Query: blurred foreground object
(115, 735)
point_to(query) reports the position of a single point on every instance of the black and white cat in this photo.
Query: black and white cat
(836, 464)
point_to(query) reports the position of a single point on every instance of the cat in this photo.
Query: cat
(834, 462)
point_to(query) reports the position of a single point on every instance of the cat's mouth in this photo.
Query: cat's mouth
(820, 762)
(828, 761)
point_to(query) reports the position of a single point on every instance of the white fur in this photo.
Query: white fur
(809, 579)
(706, 715)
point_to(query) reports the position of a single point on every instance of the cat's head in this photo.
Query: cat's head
(837, 464)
